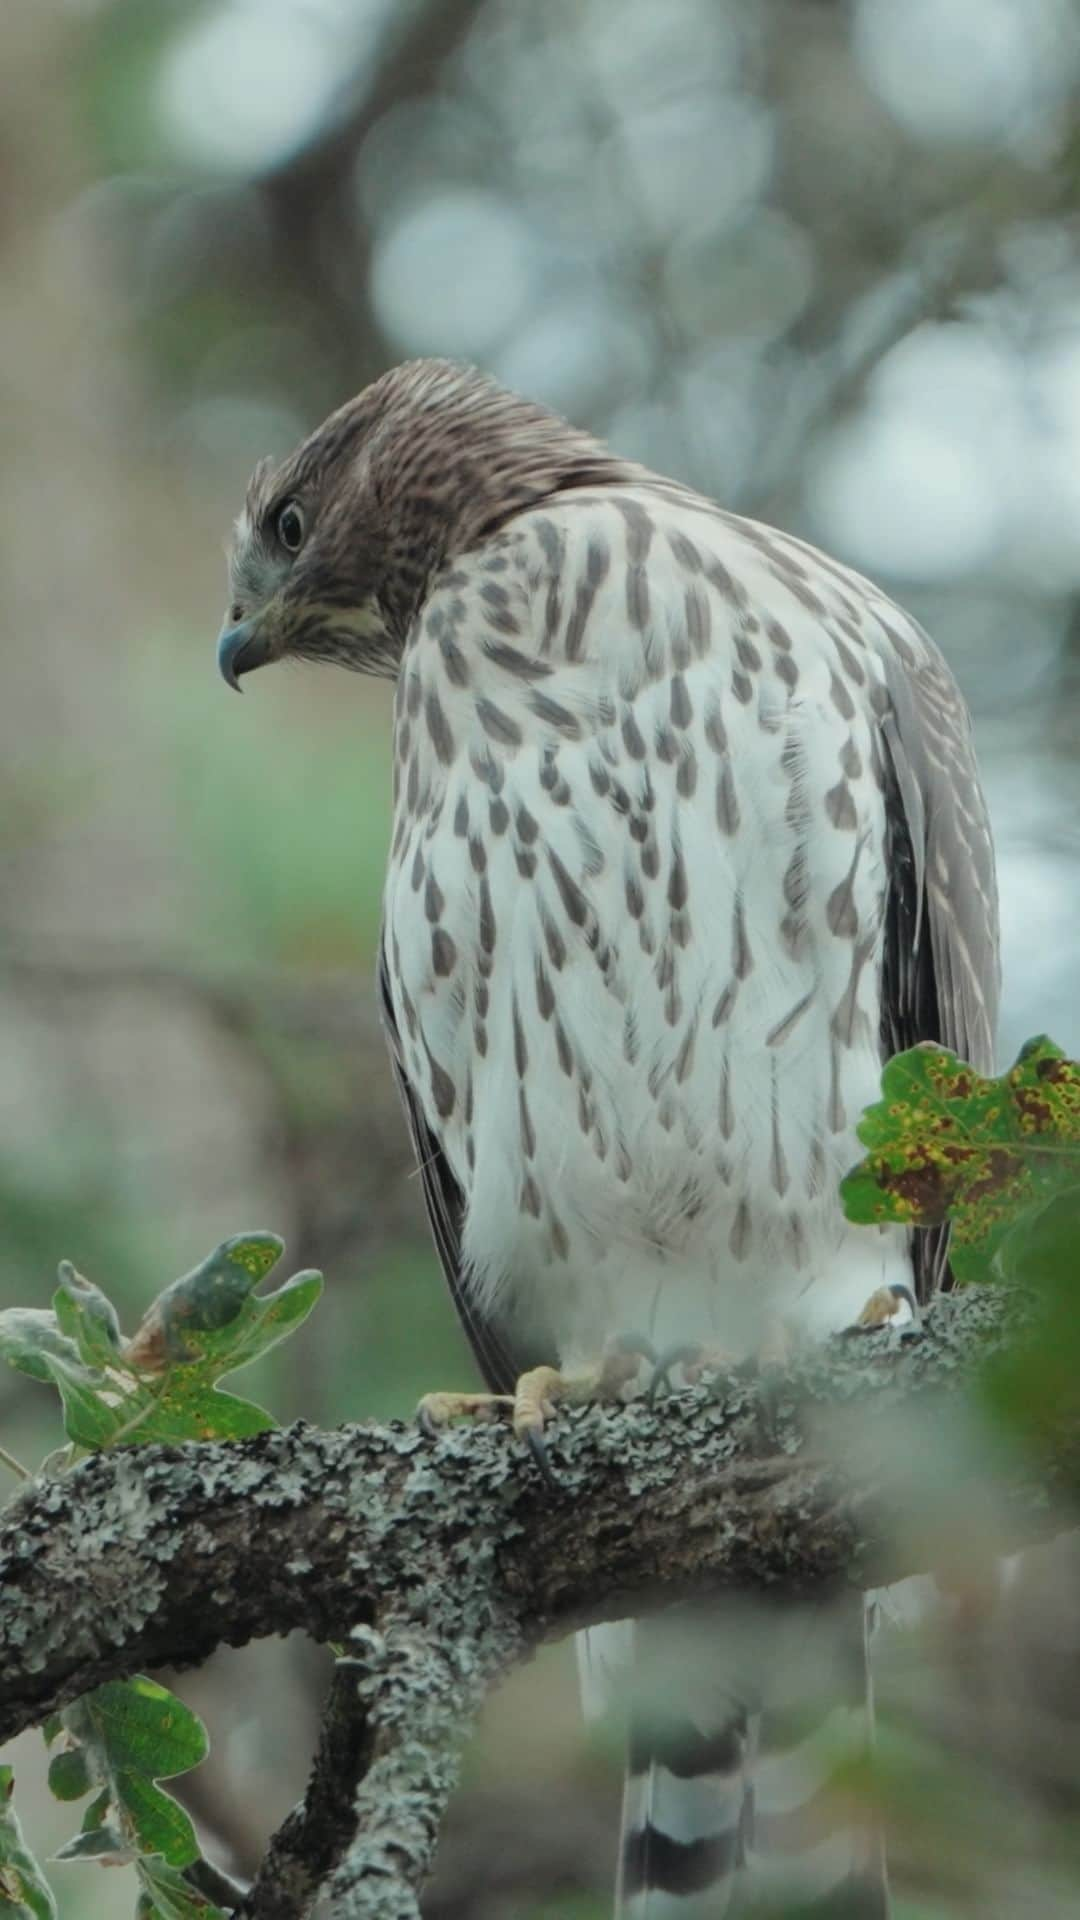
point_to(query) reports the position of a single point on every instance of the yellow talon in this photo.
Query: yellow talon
(437, 1410)
(535, 1397)
(892, 1306)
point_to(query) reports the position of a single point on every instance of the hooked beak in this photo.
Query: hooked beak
(240, 650)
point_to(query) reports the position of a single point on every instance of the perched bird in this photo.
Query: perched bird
(687, 837)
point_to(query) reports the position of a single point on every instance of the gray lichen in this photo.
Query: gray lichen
(439, 1563)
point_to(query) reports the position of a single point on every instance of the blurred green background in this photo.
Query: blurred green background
(821, 260)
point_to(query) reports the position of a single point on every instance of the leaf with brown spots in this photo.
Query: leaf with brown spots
(161, 1385)
(946, 1144)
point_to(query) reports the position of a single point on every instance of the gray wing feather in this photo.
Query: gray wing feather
(941, 977)
(499, 1359)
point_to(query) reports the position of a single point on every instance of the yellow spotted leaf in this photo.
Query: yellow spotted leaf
(946, 1144)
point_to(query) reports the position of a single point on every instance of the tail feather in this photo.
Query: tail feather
(685, 1809)
(739, 1741)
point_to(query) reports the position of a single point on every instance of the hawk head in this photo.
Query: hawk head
(309, 560)
(336, 547)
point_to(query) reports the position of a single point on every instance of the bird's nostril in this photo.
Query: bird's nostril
(236, 613)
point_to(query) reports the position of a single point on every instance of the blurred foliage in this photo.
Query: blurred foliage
(1034, 1391)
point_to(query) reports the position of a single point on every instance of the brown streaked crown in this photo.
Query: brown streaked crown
(425, 463)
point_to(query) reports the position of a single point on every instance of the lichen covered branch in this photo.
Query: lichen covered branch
(439, 1563)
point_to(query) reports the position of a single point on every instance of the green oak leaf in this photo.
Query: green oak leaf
(90, 1418)
(945, 1143)
(162, 1384)
(87, 1317)
(1033, 1385)
(105, 1844)
(165, 1895)
(27, 1335)
(69, 1775)
(210, 1299)
(208, 1324)
(190, 1407)
(24, 1892)
(130, 1734)
(97, 1813)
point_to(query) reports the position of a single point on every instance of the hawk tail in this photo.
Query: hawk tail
(743, 1798)
(687, 1811)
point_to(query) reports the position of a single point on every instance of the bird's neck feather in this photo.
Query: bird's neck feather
(443, 479)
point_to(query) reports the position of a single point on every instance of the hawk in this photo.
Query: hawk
(687, 837)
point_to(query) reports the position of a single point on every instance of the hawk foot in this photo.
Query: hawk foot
(893, 1308)
(437, 1410)
(537, 1394)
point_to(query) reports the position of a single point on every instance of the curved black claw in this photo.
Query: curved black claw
(537, 1446)
(679, 1355)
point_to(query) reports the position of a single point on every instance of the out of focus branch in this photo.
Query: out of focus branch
(439, 1564)
(943, 267)
(311, 196)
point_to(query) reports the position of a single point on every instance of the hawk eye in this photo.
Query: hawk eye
(290, 527)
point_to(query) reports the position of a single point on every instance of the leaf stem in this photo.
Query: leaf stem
(16, 1466)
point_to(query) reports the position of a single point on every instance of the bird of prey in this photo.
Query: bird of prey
(687, 837)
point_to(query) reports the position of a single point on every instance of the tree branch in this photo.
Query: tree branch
(440, 1564)
(308, 1845)
(215, 1884)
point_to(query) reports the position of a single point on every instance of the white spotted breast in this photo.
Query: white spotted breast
(634, 911)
